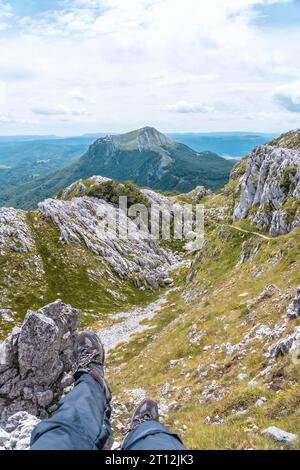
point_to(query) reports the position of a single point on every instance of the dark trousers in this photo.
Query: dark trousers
(81, 422)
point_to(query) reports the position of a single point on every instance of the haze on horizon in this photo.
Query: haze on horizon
(70, 67)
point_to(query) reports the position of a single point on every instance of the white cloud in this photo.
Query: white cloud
(288, 96)
(5, 14)
(10, 119)
(159, 62)
(2, 92)
(81, 97)
(5, 9)
(59, 110)
(185, 107)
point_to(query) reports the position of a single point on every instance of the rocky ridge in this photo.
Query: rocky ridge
(138, 258)
(269, 190)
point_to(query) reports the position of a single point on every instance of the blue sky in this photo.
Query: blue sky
(75, 66)
(279, 15)
(33, 7)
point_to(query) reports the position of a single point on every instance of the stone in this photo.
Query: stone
(6, 314)
(293, 310)
(287, 345)
(173, 362)
(67, 380)
(260, 402)
(28, 393)
(279, 435)
(268, 292)
(4, 436)
(249, 250)
(242, 377)
(45, 398)
(253, 383)
(15, 234)
(262, 331)
(35, 358)
(19, 429)
(198, 193)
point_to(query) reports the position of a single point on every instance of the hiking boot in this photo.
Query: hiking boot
(146, 411)
(91, 358)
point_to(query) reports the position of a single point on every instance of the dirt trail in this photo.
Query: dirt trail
(130, 323)
(265, 237)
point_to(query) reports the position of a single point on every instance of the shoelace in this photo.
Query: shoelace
(86, 357)
(138, 421)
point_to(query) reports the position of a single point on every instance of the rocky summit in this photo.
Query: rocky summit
(212, 335)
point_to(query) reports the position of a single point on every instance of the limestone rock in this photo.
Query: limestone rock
(270, 188)
(14, 232)
(6, 315)
(77, 188)
(137, 256)
(249, 250)
(4, 436)
(18, 431)
(198, 193)
(287, 345)
(293, 310)
(279, 435)
(5, 312)
(35, 358)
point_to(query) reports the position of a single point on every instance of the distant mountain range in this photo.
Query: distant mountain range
(226, 144)
(235, 144)
(145, 156)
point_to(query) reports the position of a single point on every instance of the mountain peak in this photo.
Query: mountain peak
(144, 138)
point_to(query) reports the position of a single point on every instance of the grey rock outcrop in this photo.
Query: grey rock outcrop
(6, 315)
(279, 435)
(4, 437)
(137, 256)
(14, 231)
(270, 189)
(35, 359)
(286, 345)
(198, 193)
(79, 187)
(293, 310)
(250, 249)
(18, 431)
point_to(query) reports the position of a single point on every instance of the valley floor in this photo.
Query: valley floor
(203, 348)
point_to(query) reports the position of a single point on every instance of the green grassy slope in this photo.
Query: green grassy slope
(185, 347)
(57, 270)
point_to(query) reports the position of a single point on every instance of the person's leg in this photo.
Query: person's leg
(81, 421)
(147, 433)
(152, 435)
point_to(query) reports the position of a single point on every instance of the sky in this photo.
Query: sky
(69, 67)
